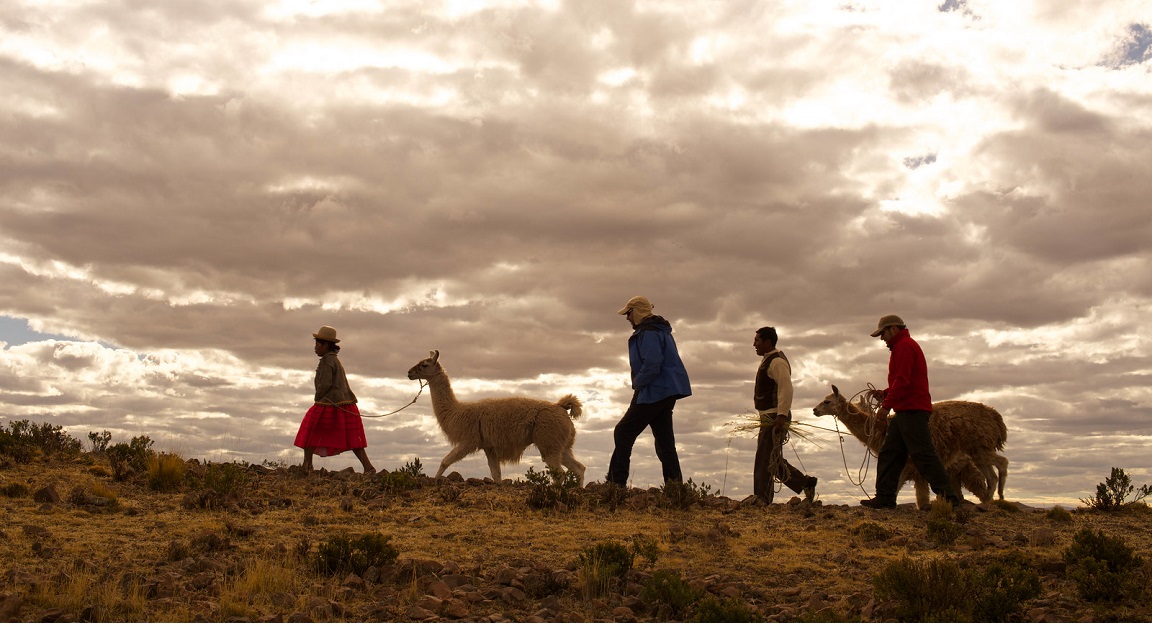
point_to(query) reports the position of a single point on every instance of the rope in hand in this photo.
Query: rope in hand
(385, 415)
(870, 396)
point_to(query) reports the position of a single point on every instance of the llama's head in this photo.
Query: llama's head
(832, 405)
(426, 368)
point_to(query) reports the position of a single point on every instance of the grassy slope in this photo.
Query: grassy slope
(156, 559)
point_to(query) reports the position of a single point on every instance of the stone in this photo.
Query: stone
(440, 589)
(47, 495)
(419, 613)
(353, 582)
(299, 617)
(10, 608)
(35, 531)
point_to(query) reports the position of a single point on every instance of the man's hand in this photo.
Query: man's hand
(882, 414)
(782, 421)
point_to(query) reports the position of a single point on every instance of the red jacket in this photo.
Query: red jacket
(907, 376)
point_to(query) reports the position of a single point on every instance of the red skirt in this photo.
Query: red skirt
(331, 430)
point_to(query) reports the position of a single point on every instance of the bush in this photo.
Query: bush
(1058, 514)
(21, 438)
(669, 595)
(551, 488)
(397, 483)
(99, 441)
(941, 528)
(685, 495)
(226, 479)
(713, 609)
(15, 490)
(1112, 494)
(1105, 569)
(870, 532)
(342, 552)
(126, 459)
(931, 590)
(412, 469)
(938, 590)
(95, 494)
(600, 563)
(999, 590)
(166, 472)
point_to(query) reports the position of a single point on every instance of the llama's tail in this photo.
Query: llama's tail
(572, 405)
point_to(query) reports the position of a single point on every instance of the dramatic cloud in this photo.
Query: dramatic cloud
(189, 189)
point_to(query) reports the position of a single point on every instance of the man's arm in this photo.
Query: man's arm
(651, 359)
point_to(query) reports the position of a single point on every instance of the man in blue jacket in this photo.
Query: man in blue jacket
(658, 381)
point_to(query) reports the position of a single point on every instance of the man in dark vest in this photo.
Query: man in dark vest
(773, 398)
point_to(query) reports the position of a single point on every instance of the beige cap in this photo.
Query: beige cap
(885, 322)
(326, 333)
(639, 303)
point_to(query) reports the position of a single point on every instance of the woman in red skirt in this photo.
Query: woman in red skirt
(333, 424)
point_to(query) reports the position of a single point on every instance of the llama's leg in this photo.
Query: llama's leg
(572, 464)
(1002, 469)
(922, 491)
(455, 455)
(493, 464)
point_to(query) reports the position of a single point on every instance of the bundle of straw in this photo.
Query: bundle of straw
(751, 423)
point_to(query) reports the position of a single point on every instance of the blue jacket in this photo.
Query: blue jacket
(657, 371)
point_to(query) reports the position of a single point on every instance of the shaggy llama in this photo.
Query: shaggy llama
(967, 436)
(500, 427)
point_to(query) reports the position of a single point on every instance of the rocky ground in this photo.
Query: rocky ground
(76, 546)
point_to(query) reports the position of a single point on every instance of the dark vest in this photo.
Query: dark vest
(766, 389)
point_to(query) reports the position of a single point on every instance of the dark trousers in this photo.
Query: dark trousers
(658, 415)
(769, 446)
(909, 437)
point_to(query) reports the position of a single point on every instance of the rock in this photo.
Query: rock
(512, 595)
(457, 609)
(282, 599)
(455, 477)
(10, 608)
(507, 576)
(623, 613)
(47, 495)
(455, 580)
(35, 531)
(440, 589)
(354, 582)
(1043, 537)
(299, 617)
(51, 615)
(419, 613)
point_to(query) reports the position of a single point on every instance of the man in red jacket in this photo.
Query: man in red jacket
(908, 433)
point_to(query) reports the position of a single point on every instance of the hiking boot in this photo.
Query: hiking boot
(810, 490)
(877, 503)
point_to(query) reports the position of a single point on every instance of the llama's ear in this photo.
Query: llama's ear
(435, 355)
(835, 390)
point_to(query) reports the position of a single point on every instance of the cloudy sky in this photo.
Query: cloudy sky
(189, 189)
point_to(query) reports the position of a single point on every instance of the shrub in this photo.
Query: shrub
(225, 479)
(342, 552)
(999, 590)
(412, 469)
(551, 488)
(941, 528)
(931, 590)
(166, 472)
(1058, 514)
(684, 495)
(396, 483)
(600, 563)
(99, 441)
(870, 532)
(15, 490)
(1112, 494)
(126, 459)
(94, 493)
(1103, 568)
(713, 609)
(21, 438)
(669, 595)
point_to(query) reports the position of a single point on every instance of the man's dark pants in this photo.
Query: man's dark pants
(639, 416)
(909, 437)
(769, 444)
